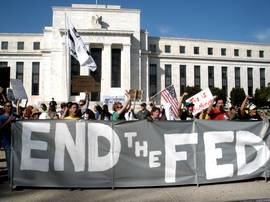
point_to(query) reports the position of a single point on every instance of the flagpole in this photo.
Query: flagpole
(67, 60)
(159, 92)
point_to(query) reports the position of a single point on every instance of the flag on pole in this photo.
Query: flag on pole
(169, 96)
(77, 48)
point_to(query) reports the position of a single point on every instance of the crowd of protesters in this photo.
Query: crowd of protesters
(10, 112)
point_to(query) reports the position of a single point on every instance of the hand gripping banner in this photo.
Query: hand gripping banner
(57, 153)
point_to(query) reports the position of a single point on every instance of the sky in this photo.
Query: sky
(230, 20)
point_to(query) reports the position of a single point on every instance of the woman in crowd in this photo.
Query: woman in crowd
(120, 110)
(105, 114)
(72, 112)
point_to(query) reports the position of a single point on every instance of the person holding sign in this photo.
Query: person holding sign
(217, 112)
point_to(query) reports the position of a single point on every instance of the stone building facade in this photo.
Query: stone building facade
(127, 57)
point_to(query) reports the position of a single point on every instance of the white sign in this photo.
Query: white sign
(18, 89)
(201, 100)
(110, 100)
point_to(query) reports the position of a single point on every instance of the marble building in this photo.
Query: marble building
(127, 57)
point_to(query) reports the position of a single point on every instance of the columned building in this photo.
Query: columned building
(127, 58)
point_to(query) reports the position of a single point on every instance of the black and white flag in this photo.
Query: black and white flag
(78, 49)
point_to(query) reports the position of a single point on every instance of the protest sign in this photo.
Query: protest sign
(201, 100)
(18, 89)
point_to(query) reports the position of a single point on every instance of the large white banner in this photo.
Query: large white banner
(140, 153)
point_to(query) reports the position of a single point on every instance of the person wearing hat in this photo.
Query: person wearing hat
(252, 113)
(143, 113)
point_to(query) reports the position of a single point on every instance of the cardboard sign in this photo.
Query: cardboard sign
(201, 100)
(84, 83)
(135, 94)
(18, 89)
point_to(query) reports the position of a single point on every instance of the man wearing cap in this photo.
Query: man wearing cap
(252, 111)
(143, 113)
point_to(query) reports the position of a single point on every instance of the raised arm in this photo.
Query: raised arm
(180, 103)
(211, 105)
(243, 105)
(126, 104)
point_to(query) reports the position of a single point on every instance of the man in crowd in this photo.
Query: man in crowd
(5, 131)
(217, 112)
(143, 113)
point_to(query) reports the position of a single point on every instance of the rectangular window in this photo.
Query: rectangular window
(249, 53)
(19, 71)
(116, 68)
(211, 76)
(262, 77)
(237, 77)
(197, 76)
(36, 45)
(152, 79)
(20, 45)
(4, 45)
(223, 51)
(261, 53)
(182, 49)
(167, 49)
(153, 48)
(168, 75)
(224, 79)
(236, 52)
(210, 51)
(35, 78)
(96, 54)
(74, 71)
(183, 77)
(3, 64)
(250, 81)
(196, 50)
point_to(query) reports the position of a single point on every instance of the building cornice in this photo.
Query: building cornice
(94, 7)
(20, 54)
(101, 32)
(216, 59)
(207, 40)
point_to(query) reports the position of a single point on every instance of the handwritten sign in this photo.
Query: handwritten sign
(18, 89)
(201, 100)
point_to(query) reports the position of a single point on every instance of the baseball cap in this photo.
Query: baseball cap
(252, 106)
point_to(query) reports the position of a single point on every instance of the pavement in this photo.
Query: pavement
(258, 191)
(252, 190)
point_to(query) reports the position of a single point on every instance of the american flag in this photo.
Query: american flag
(169, 96)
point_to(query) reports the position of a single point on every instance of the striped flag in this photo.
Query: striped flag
(77, 48)
(169, 95)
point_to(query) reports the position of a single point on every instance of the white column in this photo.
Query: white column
(231, 78)
(204, 75)
(106, 68)
(125, 67)
(218, 76)
(244, 79)
(190, 75)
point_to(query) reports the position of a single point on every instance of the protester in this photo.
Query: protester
(52, 104)
(44, 112)
(63, 107)
(105, 114)
(143, 113)
(120, 110)
(97, 112)
(84, 112)
(217, 112)
(5, 131)
(72, 113)
(154, 114)
(251, 113)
